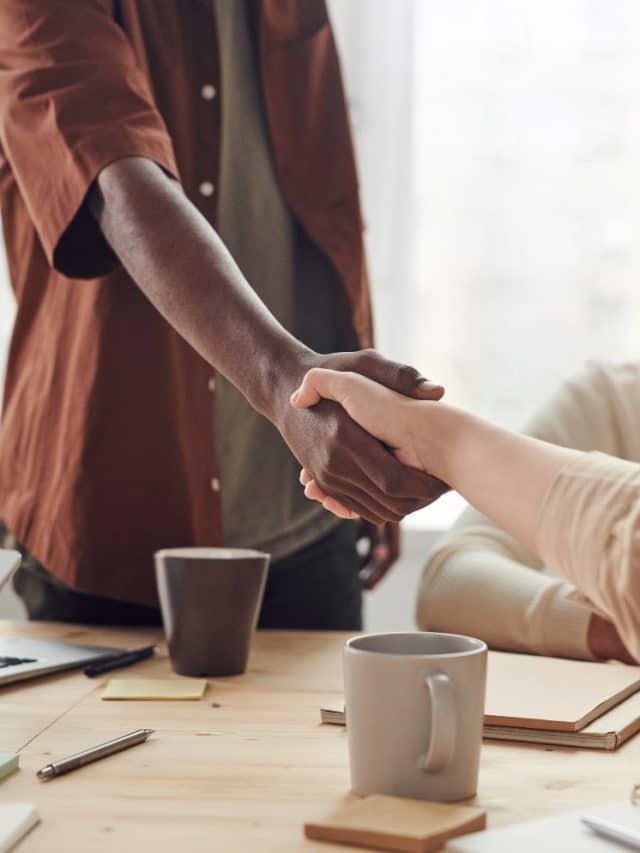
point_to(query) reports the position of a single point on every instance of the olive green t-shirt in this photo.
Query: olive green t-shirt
(263, 503)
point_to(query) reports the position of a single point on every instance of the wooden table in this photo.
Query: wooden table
(242, 769)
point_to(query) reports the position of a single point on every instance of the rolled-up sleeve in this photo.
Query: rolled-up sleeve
(72, 100)
(589, 531)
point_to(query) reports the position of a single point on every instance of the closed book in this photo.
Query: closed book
(535, 699)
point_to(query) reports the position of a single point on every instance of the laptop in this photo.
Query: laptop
(23, 657)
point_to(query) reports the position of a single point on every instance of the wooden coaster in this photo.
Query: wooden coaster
(396, 823)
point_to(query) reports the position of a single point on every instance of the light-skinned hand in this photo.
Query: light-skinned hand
(383, 413)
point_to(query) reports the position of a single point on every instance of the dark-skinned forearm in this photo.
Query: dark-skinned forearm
(186, 272)
(183, 268)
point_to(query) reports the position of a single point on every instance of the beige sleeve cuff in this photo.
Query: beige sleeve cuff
(586, 499)
(589, 532)
(479, 591)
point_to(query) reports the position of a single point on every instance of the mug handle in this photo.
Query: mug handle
(443, 724)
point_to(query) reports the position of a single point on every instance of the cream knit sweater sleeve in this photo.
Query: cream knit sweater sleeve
(589, 528)
(479, 580)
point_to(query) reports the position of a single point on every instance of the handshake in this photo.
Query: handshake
(356, 424)
(506, 476)
(352, 462)
(396, 420)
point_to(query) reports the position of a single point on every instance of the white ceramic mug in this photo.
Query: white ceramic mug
(414, 709)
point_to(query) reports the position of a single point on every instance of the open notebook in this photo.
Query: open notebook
(553, 700)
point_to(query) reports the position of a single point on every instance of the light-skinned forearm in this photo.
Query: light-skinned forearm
(504, 475)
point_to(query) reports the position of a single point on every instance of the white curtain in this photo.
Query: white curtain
(499, 154)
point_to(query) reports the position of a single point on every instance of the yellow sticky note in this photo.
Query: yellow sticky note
(155, 688)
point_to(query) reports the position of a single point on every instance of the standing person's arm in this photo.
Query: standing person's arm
(77, 118)
(184, 269)
(479, 580)
(579, 511)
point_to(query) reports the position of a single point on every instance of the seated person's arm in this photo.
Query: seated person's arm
(580, 512)
(479, 580)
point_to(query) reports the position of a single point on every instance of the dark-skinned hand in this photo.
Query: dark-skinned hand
(345, 461)
(383, 550)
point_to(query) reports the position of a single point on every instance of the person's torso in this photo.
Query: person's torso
(106, 447)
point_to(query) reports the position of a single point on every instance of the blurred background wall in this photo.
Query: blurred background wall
(499, 151)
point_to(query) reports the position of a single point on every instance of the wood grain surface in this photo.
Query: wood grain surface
(244, 768)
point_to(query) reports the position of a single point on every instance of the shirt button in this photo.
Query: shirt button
(206, 188)
(215, 484)
(211, 384)
(208, 92)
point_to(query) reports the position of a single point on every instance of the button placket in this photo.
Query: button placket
(214, 482)
(208, 93)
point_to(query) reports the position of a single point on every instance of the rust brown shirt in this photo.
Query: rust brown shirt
(105, 440)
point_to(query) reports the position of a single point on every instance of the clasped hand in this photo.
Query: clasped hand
(343, 458)
(381, 412)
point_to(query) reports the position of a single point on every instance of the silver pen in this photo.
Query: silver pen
(94, 753)
(613, 831)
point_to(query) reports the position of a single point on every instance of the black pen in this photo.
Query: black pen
(117, 661)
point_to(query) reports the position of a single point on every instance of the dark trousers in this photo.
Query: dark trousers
(316, 588)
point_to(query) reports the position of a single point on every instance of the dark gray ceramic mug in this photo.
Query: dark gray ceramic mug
(210, 600)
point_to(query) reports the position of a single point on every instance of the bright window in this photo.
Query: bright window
(499, 152)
